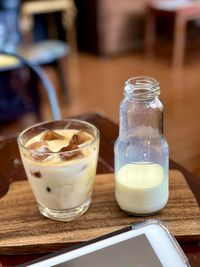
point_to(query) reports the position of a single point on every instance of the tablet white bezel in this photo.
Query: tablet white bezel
(163, 244)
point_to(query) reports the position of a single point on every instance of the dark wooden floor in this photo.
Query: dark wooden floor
(96, 84)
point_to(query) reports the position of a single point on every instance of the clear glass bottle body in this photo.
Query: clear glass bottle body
(141, 151)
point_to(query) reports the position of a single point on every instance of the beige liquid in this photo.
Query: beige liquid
(141, 188)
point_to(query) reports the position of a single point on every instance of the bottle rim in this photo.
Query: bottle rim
(142, 87)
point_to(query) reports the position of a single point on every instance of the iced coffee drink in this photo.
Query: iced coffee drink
(60, 160)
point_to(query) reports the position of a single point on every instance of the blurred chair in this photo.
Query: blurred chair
(9, 28)
(49, 51)
(16, 29)
(19, 90)
(183, 12)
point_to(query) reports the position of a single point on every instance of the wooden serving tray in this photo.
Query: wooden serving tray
(24, 230)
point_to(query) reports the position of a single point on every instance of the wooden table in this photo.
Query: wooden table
(108, 131)
(182, 13)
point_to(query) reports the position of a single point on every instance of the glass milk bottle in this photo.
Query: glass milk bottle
(141, 151)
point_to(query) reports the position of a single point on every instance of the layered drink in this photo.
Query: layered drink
(60, 164)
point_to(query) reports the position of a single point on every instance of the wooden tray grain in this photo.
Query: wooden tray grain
(24, 230)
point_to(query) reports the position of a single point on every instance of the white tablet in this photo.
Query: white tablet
(147, 244)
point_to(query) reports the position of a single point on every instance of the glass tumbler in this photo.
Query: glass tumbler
(60, 160)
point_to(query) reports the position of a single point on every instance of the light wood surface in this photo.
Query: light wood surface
(24, 230)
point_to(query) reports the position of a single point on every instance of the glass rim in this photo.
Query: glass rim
(96, 137)
(148, 79)
(142, 86)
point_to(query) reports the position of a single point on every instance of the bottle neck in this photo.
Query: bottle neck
(141, 110)
(142, 88)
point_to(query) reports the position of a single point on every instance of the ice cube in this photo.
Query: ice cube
(79, 138)
(41, 153)
(70, 153)
(36, 174)
(51, 135)
(37, 145)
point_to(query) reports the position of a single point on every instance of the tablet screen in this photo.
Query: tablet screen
(135, 252)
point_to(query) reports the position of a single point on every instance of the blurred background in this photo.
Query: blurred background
(89, 48)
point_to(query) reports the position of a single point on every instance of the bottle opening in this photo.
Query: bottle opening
(142, 87)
